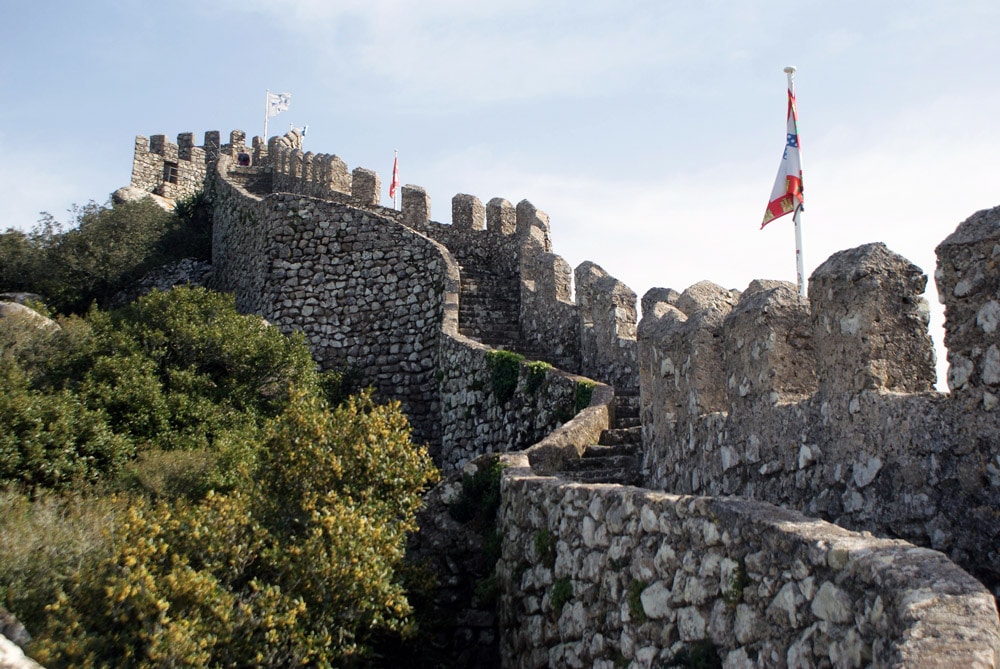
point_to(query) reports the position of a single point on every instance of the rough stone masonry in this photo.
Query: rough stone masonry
(751, 401)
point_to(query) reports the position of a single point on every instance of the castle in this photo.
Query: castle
(769, 476)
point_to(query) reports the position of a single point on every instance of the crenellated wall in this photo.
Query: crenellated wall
(172, 170)
(607, 328)
(824, 406)
(379, 297)
(827, 406)
(550, 322)
(367, 293)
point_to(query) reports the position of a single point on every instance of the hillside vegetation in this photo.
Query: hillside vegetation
(102, 250)
(184, 488)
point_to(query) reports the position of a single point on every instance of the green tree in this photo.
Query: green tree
(103, 251)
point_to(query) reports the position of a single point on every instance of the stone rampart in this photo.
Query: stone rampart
(550, 323)
(373, 295)
(172, 170)
(607, 328)
(367, 293)
(827, 407)
(320, 175)
(492, 403)
(608, 576)
(968, 281)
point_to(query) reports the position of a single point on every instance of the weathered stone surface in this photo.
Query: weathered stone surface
(811, 593)
(738, 398)
(132, 194)
(15, 315)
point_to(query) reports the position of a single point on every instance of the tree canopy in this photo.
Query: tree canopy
(245, 518)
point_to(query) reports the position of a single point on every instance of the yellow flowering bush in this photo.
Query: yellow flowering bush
(300, 568)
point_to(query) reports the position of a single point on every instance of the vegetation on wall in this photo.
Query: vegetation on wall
(477, 505)
(180, 492)
(505, 367)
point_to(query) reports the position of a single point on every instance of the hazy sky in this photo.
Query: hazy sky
(649, 131)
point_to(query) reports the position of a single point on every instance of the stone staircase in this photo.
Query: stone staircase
(489, 309)
(489, 312)
(617, 457)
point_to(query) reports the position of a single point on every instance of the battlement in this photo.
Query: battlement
(822, 405)
(827, 405)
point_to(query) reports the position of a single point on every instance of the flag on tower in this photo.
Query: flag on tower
(394, 184)
(277, 103)
(786, 196)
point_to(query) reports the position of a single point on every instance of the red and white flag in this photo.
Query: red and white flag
(786, 196)
(395, 177)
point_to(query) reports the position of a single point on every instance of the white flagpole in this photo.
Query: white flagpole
(267, 100)
(800, 272)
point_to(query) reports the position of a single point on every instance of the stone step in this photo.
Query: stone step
(625, 435)
(600, 462)
(620, 476)
(627, 399)
(627, 421)
(606, 450)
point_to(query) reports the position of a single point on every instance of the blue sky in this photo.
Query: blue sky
(649, 131)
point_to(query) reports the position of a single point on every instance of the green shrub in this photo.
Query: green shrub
(177, 370)
(504, 369)
(52, 440)
(536, 372)
(562, 592)
(479, 499)
(545, 547)
(584, 393)
(44, 540)
(104, 250)
(302, 567)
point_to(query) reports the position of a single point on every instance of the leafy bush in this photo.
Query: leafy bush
(253, 525)
(104, 250)
(504, 369)
(536, 371)
(301, 568)
(584, 393)
(52, 440)
(479, 499)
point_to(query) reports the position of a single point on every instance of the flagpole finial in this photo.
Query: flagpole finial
(790, 69)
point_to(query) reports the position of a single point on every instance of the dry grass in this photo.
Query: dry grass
(45, 542)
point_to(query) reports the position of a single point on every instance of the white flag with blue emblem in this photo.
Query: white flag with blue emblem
(277, 103)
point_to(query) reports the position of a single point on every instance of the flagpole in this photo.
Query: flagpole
(800, 272)
(395, 191)
(267, 99)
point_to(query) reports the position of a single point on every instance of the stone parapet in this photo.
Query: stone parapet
(607, 315)
(594, 575)
(968, 281)
(870, 323)
(830, 409)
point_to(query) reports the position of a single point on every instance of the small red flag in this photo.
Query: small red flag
(395, 177)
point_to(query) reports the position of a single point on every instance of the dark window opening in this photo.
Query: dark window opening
(170, 173)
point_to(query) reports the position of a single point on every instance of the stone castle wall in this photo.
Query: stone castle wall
(367, 293)
(828, 410)
(827, 406)
(375, 296)
(608, 576)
